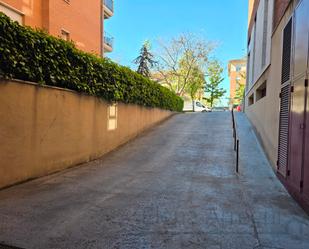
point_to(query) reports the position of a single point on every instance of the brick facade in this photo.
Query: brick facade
(280, 7)
(237, 75)
(252, 15)
(82, 21)
(279, 10)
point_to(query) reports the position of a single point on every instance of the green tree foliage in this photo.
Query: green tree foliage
(239, 95)
(214, 78)
(240, 91)
(145, 60)
(35, 56)
(196, 85)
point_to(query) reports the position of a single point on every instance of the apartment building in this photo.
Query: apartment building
(277, 97)
(237, 75)
(77, 20)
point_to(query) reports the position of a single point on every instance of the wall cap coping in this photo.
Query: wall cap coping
(3, 80)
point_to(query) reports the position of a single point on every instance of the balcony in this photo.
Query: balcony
(108, 42)
(108, 6)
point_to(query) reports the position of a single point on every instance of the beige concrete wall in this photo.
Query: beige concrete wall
(250, 9)
(264, 113)
(44, 129)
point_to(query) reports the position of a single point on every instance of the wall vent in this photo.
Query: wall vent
(284, 130)
(286, 52)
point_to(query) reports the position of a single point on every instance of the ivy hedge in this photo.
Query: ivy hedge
(33, 55)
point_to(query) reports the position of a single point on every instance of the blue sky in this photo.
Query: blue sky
(134, 21)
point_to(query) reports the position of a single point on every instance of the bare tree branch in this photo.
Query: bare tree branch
(179, 56)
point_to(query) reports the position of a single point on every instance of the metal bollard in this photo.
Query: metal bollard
(237, 156)
(235, 141)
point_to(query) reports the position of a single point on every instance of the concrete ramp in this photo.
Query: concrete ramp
(173, 187)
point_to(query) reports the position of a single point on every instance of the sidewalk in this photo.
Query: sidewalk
(278, 220)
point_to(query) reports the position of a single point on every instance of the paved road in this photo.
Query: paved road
(173, 187)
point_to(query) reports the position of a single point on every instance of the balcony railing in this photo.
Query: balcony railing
(109, 4)
(108, 40)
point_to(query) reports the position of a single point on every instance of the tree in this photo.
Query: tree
(145, 60)
(179, 59)
(196, 86)
(240, 91)
(212, 87)
(239, 95)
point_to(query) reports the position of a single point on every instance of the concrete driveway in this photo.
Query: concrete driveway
(172, 187)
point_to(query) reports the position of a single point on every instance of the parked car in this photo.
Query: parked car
(195, 106)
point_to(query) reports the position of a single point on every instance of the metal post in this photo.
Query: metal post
(235, 142)
(233, 120)
(234, 130)
(237, 156)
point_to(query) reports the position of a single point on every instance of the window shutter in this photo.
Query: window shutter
(284, 130)
(286, 52)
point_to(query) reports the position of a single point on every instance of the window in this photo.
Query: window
(253, 72)
(265, 29)
(65, 35)
(199, 104)
(248, 72)
(286, 53)
(251, 100)
(261, 91)
(238, 68)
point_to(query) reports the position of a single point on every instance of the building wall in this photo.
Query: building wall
(48, 129)
(259, 44)
(237, 77)
(83, 21)
(279, 11)
(282, 122)
(31, 10)
(264, 113)
(250, 10)
(253, 5)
